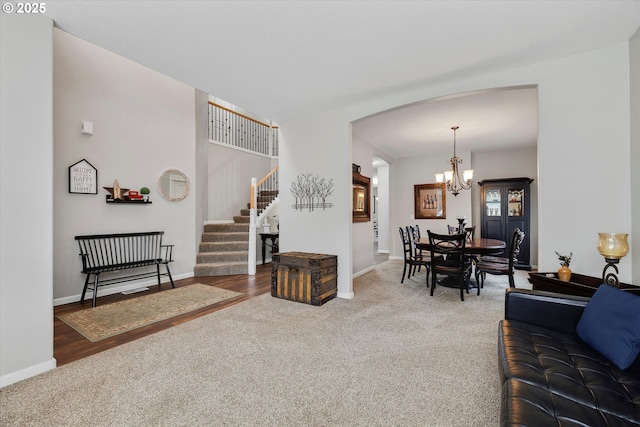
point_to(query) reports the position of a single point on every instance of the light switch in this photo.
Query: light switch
(87, 128)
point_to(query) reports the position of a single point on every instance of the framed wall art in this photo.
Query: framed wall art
(361, 198)
(430, 201)
(83, 178)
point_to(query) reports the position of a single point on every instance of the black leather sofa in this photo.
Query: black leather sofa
(550, 377)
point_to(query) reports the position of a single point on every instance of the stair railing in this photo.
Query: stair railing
(236, 130)
(267, 190)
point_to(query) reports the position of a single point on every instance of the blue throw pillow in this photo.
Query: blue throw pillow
(610, 324)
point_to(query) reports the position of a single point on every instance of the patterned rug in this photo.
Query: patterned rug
(98, 323)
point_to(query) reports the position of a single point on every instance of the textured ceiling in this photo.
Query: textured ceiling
(282, 59)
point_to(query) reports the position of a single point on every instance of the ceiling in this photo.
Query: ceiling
(284, 59)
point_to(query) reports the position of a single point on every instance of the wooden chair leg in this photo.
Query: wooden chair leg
(403, 272)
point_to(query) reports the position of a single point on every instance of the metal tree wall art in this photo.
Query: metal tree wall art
(311, 192)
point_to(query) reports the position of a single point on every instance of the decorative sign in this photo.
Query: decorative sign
(83, 178)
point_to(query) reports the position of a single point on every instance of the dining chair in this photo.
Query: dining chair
(414, 236)
(452, 229)
(470, 232)
(448, 259)
(410, 258)
(501, 265)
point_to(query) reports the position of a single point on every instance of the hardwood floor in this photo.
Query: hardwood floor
(69, 345)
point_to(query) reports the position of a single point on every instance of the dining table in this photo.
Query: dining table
(476, 246)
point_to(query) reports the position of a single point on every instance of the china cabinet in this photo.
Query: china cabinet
(506, 205)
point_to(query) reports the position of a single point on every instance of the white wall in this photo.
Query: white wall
(411, 171)
(362, 237)
(307, 145)
(510, 164)
(384, 208)
(26, 197)
(143, 124)
(634, 237)
(584, 108)
(230, 173)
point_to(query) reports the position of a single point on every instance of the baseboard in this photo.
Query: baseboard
(345, 295)
(361, 272)
(219, 221)
(383, 251)
(109, 290)
(29, 372)
(396, 257)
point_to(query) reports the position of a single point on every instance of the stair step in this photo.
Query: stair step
(269, 193)
(227, 227)
(220, 269)
(223, 246)
(242, 219)
(226, 237)
(245, 212)
(222, 257)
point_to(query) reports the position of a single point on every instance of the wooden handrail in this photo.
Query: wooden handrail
(267, 176)
(242, 115)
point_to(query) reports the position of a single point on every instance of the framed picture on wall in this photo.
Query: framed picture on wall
(83, 178)
(361, 198)
(430, 201)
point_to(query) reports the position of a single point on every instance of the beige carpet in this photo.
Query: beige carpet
(393, 356)
(104, 321)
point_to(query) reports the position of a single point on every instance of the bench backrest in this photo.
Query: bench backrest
(101, 250)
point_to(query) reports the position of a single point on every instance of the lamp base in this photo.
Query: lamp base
(611, 278)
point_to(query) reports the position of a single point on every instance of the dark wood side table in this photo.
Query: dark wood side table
(579, 284)
(274, 243)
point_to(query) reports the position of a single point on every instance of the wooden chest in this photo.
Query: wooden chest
(304, 277)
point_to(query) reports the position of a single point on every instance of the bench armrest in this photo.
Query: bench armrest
(545, 309)
(168, 253)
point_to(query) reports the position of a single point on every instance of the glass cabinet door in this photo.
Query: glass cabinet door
(516, 202)
(493, 200)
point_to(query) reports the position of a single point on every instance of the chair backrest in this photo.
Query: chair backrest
(470, 231)
(450, 246)
(413, 234)
(406, 243)
(452, 229)
(514, 250)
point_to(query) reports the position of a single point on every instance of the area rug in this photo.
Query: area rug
(98, 323)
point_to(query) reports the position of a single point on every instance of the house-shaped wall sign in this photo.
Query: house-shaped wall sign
(83, 178)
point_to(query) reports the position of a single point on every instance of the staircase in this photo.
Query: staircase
(224, 248)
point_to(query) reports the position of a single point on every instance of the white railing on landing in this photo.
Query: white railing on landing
(267, 191)
(233, 129)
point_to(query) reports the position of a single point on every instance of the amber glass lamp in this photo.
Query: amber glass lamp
(612, 246)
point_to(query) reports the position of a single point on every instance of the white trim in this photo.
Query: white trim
(219, 221)
(383, 251)
(346, 295)
(233, 147)
(29, 372)
(109, 290)
(361, 272)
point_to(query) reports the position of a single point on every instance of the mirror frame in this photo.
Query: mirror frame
(168, 196)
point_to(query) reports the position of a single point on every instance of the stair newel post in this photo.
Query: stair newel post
(252, 228)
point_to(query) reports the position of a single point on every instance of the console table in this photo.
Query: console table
(579, 284)
(274, 243)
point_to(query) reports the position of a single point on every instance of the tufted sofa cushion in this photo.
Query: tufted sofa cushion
(565, 371)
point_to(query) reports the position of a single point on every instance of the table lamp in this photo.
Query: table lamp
(612, 246)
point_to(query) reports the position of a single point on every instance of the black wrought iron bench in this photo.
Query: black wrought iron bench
(102, 253)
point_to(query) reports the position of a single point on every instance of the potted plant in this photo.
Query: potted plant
(145, 193)
(564, 272)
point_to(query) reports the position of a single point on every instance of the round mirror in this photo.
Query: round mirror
(173, 185)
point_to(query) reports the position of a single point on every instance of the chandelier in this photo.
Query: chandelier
(452, 177)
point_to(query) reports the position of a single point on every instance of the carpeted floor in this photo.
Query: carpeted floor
(393, 356)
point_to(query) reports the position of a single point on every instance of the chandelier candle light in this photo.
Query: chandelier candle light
(612, 246)
(452, 177)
